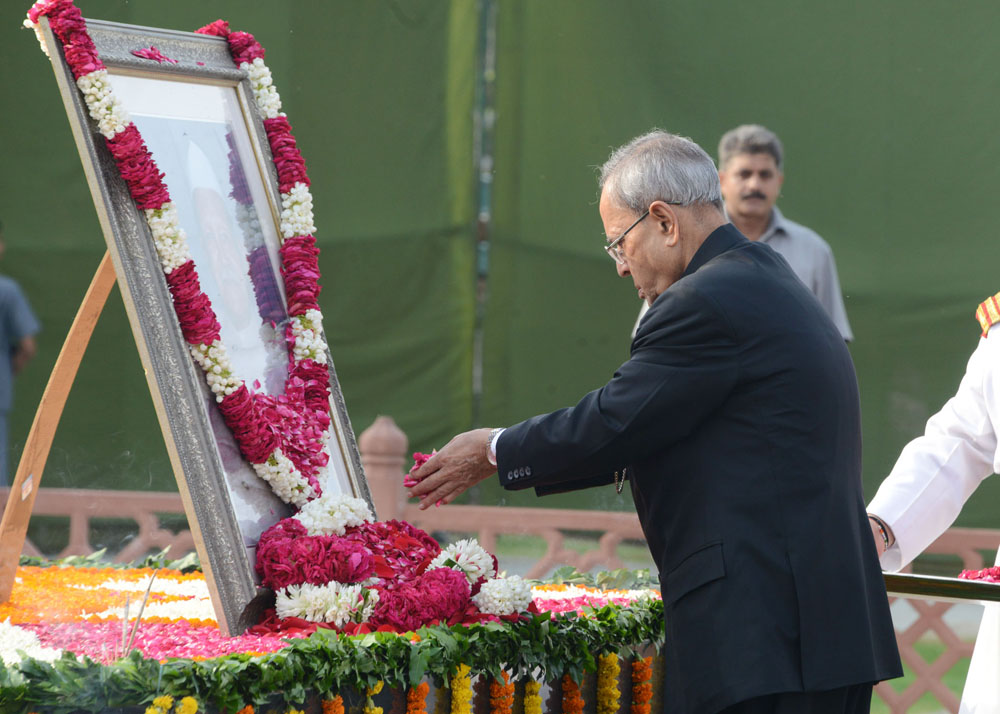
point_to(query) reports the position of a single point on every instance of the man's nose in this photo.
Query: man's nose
(622, 269)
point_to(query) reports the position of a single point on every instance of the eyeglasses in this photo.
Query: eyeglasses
(614, 248)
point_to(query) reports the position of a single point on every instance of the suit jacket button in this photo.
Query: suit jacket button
(527, 471)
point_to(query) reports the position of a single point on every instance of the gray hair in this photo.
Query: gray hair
(750, 139)
(660, 166)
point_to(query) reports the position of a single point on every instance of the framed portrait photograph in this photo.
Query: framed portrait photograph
(231, 342)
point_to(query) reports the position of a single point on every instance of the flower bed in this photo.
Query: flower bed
(68, 646)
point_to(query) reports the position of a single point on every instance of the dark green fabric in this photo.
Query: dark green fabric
(887, 113)
(886, 110)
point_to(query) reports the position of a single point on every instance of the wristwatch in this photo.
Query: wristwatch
(491, 455)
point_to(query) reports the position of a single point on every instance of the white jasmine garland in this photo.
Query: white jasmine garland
(296, 212)
(465, 555)
(264, 92)
(332, 602)
(333, 513)
(284, 479)
(503, 596)
(104, 106)
(310, 342)
(168, 237)
(15, 641)
(214, 362)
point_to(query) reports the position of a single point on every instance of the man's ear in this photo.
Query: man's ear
(665, 217)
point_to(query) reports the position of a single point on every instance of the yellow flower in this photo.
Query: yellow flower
(187, 705)
(608, 693)
(532, 697)
(164, 702)
(461, 691)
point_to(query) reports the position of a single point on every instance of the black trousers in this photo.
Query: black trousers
(855, 699)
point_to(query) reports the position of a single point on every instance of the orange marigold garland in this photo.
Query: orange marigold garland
(501, 695)
(572, 699)
(248, 709)
(642, 688)
(332, 706)
(416, 699)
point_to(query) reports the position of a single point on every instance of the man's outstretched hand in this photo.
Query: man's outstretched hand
(460, 464)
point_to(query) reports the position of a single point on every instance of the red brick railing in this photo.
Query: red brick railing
(384, 452)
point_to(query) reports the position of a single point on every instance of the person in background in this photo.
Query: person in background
(935, 475)
(737, 424)
(18, 327)
(751, 161)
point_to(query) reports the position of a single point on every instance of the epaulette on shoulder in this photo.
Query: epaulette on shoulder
(988, 313)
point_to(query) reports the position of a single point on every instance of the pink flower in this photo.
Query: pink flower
(436, 596)
(194, 309)
(69, 27)
(286, 555)
(419, 460)
(401, 550)
(151, 53)
(244, 47)
(300, 270)
(219, 28)
(287, 159)
(137, 167)
(253, 433)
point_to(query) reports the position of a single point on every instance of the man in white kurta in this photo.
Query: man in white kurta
(934, 477)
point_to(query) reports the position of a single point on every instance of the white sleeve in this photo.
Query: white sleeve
(937, 472)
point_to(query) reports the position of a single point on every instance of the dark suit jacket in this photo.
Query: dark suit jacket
(737, 419)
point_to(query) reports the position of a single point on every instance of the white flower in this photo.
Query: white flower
(168, 237)
(333, 513)
(465, 555)
(193, 609)
(14, 638)
(103, 105)
(264, 93)
(332, 602)
(284, 479)
(296, 212)
(310, 342)
(161, 586)
(503, 596)
(214, 362)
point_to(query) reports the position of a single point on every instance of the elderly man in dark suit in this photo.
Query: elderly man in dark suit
(736, 422)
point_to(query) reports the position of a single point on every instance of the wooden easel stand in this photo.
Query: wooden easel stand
(14, 526)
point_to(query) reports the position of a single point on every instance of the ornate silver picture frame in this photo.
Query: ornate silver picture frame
(196, 113)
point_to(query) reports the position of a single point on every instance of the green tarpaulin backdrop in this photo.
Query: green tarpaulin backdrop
(887, 112)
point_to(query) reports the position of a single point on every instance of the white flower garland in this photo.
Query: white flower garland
(16, 641)
(333, 602)
(467, 556)
(103, 105)
(264, 92)
(332, 514)
(297, 213)
(171, 246)
(503, 596)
